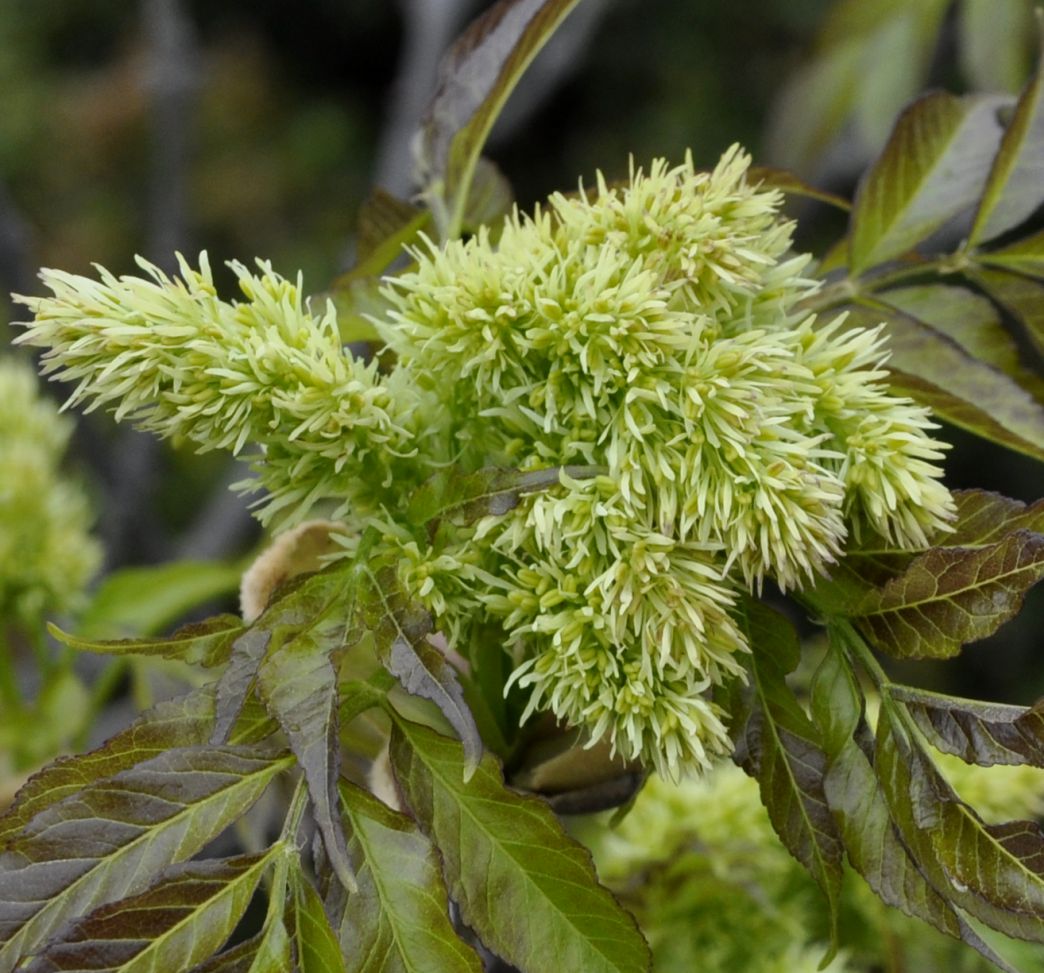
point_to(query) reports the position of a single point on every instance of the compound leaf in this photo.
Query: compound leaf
(991, 871)
(977, 732)
(872, 843)
(182, 722)
(182, 919)
(984, 518)
(398, 921)
(548, 910)
(298, 684)
(785, 756)
(107, 840)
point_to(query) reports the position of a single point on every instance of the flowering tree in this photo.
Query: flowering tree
(540, 518)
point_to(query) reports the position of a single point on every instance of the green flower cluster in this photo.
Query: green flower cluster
(264, 373)
(651, 331)
(46, 554)
(654, 331)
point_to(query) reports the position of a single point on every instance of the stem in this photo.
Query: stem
(852, 288)
(866, 657)
(298, 803)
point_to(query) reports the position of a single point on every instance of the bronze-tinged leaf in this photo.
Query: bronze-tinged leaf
(1021, 296)
(207, 643)
(985, 518)
(1015, 187)
(475, 78)
(182, 722)
(936, 370)
(934, 166)
(108, 840)
(400, 629)
(977, 732)
(991, 872)
(526, 888)
(783, 752)
(872, 843)
(948, 597)
(298, 684)
(398, 922)
(269, 951)
(296, 607)
(182, 919)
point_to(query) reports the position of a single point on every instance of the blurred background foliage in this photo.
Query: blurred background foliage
(257, 128)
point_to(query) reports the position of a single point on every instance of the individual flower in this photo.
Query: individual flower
(47, 555)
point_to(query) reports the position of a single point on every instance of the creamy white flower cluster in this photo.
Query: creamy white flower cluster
(47, 555)
(651, 331)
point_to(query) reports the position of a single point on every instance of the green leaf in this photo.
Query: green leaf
(475, 78)
(872, 843)
(784, 754)
(521, 883)
(298, 605)
(398, 922)
(298, 683)
(1020, 296)
(107, 840)
(984, 518)
(144, 601)
(182, 722)
(937, 371)
(964, 316)
(207, 643)
(1015, 187)
(463, 498)
(315, 942)
(934, 165)
(182, 919)
(267, 952)
(950, 596)
(991, 871)
(978, 733)
(400, 629)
